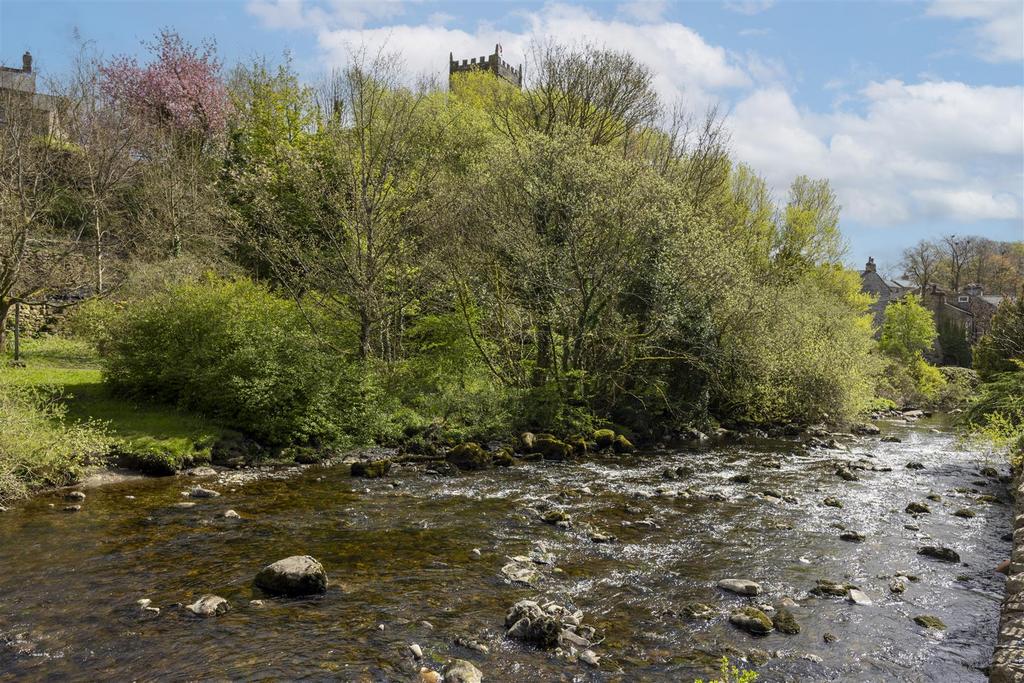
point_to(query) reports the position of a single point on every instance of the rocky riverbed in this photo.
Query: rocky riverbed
(802, 563)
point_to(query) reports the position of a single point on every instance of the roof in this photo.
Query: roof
(994, 300)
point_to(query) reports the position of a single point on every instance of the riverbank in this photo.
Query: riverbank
(1008, 658)
(641, 541)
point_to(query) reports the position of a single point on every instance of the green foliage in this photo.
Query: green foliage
(232, 350)
(953, 342)
(731, 674)
(997, 414)
(908, 329)
(1003, 345)
(39, 445)
(960, 385)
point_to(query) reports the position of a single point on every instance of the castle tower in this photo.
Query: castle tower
(493, 63)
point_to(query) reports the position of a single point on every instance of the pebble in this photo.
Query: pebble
(231, 514)
(74, 495)
(588, 657)
(200, 492)
(71, 508)
(858, 597)
(416, 650)
(740, 586)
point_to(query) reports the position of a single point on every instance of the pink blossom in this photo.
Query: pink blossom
(181, 87)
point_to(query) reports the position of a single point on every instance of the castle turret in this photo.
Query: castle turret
(493, 63)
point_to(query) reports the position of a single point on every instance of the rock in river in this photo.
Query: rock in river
(858, 597)
(916, 508)
(371, 470)
(751, 620)
(469, 456)
(929, 621)
(200, 492)
(461, 671)
(852, 536)
(528, 621)
(208, 606)
(74, 496)
(295, 575)
(785, 622)
(741, 586)
(939, 553)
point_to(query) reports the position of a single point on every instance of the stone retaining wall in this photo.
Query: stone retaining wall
(1008, 658)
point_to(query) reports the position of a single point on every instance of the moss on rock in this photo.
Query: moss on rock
(623, 445)
(604, 438)
(371, 470)
(469, 456)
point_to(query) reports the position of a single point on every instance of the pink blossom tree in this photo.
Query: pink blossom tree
(180, 89)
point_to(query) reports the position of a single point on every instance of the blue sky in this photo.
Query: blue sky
(914, 110)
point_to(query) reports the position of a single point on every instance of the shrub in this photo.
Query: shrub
(997, 414)
(38, 445)
(232, 350)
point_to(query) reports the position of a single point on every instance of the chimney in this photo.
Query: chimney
(26, 62)
(870, 266)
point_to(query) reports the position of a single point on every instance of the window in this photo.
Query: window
(963, 299)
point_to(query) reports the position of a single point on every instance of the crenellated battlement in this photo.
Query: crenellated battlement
(493, 63)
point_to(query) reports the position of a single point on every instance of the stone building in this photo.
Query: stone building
(493, 63)
(884, 290)
(18, 88)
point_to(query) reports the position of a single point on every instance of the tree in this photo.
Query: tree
(908, 329)
(921, 264)
(368, 184)
(107, 136)
(1002, 349)
(809, 233)
(957, 254)
(607, 94)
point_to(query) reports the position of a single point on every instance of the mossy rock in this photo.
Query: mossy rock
(527, 442)
(604, 438)
(751, 620)
(503, 458)
(916, 508)
(555, 516)
(964, 513)
(699, 611)
(622, 445)
(153, 463)
(552, 449)
(785, 622)
(832, 502)
(371, 470)
(929, 621)
(469, 456)
(579, 445)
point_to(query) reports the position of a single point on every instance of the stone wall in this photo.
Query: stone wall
(1008, 658)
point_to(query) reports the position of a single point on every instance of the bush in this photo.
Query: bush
(232, 350)
(38, 446)
(997, 414)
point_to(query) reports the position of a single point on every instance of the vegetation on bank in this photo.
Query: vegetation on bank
(997, 413)
(281, 267)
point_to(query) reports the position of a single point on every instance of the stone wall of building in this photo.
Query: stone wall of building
(1008, 658)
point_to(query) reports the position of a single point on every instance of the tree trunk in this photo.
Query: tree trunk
(5, 309)
(543, 366)
(99, 252)
(364, 334)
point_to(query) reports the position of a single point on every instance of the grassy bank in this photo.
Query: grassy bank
(59, 421)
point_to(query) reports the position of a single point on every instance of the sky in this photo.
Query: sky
(913, 110)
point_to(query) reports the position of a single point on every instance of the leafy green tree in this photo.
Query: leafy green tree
(908, 329)
(1003, 346)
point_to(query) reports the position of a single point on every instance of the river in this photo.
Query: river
(400, 552)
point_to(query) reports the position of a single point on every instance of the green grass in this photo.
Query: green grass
(153, 438)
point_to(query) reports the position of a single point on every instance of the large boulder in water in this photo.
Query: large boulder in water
(751, 620)
(208, 606)
(469, 456)
(740, 586)
(622, 445)
(604, 438)
(374, 469)
(461, 671)
(295, 575)
(551, 448)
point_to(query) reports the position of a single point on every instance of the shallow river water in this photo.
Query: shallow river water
(400, 556)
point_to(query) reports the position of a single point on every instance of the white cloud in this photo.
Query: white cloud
(684, 63)
(917, 151)
(998, 25)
